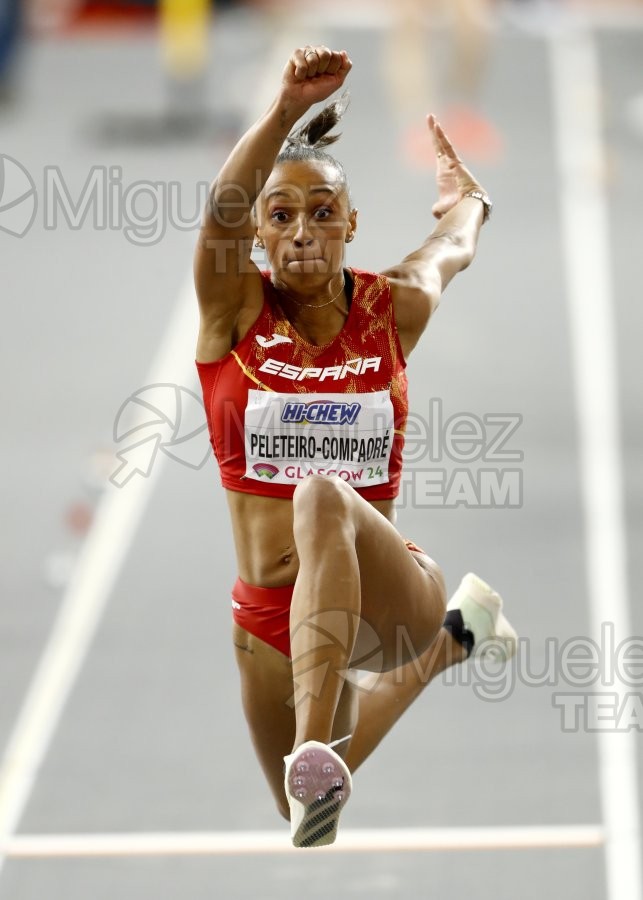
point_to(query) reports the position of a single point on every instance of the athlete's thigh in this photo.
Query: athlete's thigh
(402, 600)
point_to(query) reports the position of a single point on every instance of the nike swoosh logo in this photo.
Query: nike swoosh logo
(276, 339)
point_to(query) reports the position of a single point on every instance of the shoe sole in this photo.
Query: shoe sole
(318, 784)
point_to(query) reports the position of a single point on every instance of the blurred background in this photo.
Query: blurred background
(119, 710)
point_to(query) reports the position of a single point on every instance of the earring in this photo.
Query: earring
(260, 244)
(349, 238)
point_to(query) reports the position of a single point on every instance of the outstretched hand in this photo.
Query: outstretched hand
(312, 74)
(454, 180)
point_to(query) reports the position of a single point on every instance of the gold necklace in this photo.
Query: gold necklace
(316, 305)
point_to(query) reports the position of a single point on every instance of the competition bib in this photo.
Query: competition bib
(291, 436)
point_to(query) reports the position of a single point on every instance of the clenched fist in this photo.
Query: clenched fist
(312, 74)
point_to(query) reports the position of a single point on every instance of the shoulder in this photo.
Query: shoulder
(370, 289)
(368, 278)
(411, 302)
(214, 344)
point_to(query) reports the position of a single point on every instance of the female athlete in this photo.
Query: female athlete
(303, 377)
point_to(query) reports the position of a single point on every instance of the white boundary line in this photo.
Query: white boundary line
(97, 569)
(229, 843)
(577, 93)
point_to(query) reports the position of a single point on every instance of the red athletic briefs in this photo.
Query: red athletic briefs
(265, 612)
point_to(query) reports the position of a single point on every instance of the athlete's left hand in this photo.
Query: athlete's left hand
(454, 180)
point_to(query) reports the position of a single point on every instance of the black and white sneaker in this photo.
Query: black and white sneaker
(481, 609)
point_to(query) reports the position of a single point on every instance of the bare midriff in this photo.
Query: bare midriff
(263, 535)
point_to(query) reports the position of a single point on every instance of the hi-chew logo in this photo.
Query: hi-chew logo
(321, 411)
(265, 470)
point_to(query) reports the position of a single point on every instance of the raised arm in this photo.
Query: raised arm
(417, 283)
(226, 279)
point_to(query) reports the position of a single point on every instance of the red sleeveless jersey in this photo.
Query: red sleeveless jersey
(279, 409)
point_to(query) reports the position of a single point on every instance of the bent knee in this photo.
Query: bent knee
(322, 496)
(319, 489)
